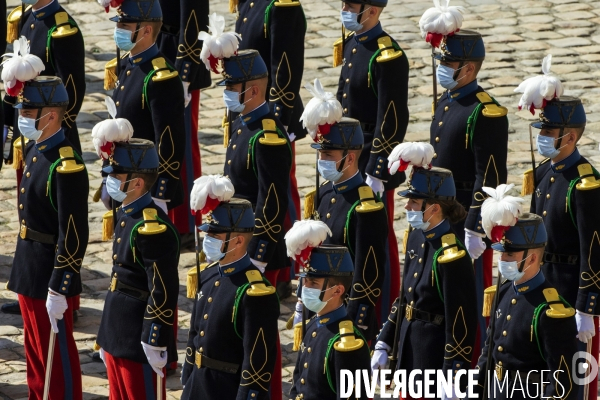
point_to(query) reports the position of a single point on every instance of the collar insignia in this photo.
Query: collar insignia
(342, 187)
(559, 167)
(229, 270)
(324, 321)
(430, 235)
(523, 289)
(42, 147)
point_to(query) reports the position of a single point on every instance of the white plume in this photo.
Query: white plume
(21, 66)
(217, 44)
(418, 154)
(217, 188)
(322, 109)
(441, 19)
(304, 234)
(110, 131)
(499, 209)
(540, 88)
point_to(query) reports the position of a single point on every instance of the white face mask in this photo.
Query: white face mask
(510, 269)
(28, 129)
(415, 219)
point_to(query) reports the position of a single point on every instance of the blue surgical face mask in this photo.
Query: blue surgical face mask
(415, 219)
(445, 76)
(232, 100)
(311, 298)
(545, 146)
(350, 20)
(328, 169)
(123, 39)
(510, 269)
(28, 129)
(211, 247)
(113, 187)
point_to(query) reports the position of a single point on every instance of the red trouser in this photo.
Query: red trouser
(65, 381)
(130, 380)
(276, 387)
(292, 215)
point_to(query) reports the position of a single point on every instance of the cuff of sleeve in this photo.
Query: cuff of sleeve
(586, 303)
(185, 71)
(361, 315)
(377, 168)
(473, 221)
(261, 251)
(160, 188)
(63, 286)
(154, 335)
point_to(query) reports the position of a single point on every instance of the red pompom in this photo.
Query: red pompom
(304, 256)
(214, 62)
(15, 90)
(324, 129)
(498, 233)
(115, 3)
(403, 165)
(107, 148)
(210, 205)
(434, 38)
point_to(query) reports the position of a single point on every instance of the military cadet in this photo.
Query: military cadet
(136, 337)
(149, 94)
(531, 339)
(232, 344)
(566, 197)
(350, 209)
(373, 88)
(437, 310)
(331, 342)
(53, 213)
(277, 29)
(178, 41)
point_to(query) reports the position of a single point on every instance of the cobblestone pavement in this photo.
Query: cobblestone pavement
(517, 36)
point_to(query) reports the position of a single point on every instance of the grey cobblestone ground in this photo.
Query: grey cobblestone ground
(517, 36)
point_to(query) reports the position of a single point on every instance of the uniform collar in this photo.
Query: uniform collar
(332, 316)
(236, 266)
(46, 11)
(369, 35)
(137, 205)
(348, 184)
(144, 56)
(462, 92)
(530, 285)
(51, 142)
(255, 114)
(567, 163)
(437, 232)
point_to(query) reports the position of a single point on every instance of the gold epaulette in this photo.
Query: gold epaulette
(488, 300)
(225, 126)
(271, 137)
(151, 224)
(233, 4)
(338, 51)
(348, 341)
(192, 278)
(163, 72)
(18, 160)
(405, 240)
(451, 251)
(286, 3)
(13, 20)
(528, 182)
(110, 74)
(309, 204)
(68, 164)
(63, 26)
(588, 179)
(388, 52)
(257, 285)
(108, 228)
(557, 308)
(367, 200)
(491, 109)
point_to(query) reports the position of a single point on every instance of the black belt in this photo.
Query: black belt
(413, 313)
(461, 185)
(173, 30)
(202, 361)
(367, 128)
(560, 258)
(118, 286)
(28, 233)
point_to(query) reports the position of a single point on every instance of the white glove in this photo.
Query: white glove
(380, 356)
(585, 326)
(56, 304)
(298, 313)
(375, 184)
(162, 204)
(475, 245)
(260, 265)
(453, 395)
(157, 358)
(101, 354)
(187, 97)
(105, 197)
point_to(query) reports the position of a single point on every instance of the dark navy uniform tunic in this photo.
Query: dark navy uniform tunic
(156, 114)
(236, 341)
(142, 298)
(439, 324)
(365, 235)
(259, 169)
(53, 213)
(572, 258)
(375, 92)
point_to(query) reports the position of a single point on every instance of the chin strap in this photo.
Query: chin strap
(560, 136)
(360, 14)
(457, 72)
(325, 282)
(127, 179)
(523, 261)
(135, 34)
